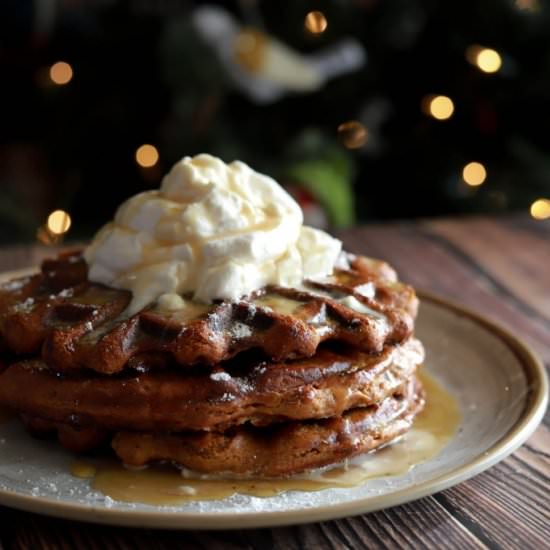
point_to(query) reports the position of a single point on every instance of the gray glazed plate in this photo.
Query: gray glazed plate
(500, 384)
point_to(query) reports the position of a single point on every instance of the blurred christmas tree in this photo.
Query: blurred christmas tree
(363, 109)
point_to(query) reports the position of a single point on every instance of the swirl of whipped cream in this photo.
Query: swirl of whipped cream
(216, 230)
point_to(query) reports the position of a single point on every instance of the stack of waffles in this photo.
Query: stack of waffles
(280, 382)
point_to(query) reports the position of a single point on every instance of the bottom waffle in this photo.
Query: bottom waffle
(280, 450)
(275, 451)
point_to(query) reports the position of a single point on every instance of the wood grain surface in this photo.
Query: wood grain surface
(500, 267)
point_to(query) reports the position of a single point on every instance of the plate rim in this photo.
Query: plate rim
(534, 409)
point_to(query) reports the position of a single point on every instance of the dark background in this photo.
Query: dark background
(144, 74)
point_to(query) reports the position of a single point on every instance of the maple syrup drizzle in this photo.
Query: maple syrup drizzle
(164, 485)
(189, 312)
(280, 304)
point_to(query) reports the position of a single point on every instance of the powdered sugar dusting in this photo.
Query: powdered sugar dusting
(66, 293)
(240, 331)
(16, 284)
(226, 397)
(221, 376)
(25, 305)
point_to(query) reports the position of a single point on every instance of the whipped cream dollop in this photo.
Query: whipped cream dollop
(216, 230)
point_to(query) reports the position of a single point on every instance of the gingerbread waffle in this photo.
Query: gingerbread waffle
(282, 449)
(237, 392)
(75, 324)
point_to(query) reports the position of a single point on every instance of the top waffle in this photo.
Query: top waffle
(74, 324)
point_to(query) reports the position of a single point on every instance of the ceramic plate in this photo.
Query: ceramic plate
(500, 385)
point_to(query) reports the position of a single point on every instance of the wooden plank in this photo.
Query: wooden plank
(401, 527)
(505, 514)
(422, 522)
(19, 257)
(519, 260)
(536, 452)
(526, 223)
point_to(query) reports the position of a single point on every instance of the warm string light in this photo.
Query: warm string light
(352, 134)
(540, 209)
(61, 73)
(316, 22)
(147, 155)
(59, 222)
(486, 60)
(489, 61)
(474, 174)
(439, 107)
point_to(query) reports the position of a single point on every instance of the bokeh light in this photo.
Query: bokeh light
(488, 60)
(352, 134)
(147, 155)
(485, 59)
(540, 209)
(59, 222)
(316, 22)
(61, 73)
(439, 107)
(474, 174)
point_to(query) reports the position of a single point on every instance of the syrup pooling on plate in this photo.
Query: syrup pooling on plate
(432, 430)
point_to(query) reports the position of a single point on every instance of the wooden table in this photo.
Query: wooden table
(499, 267)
